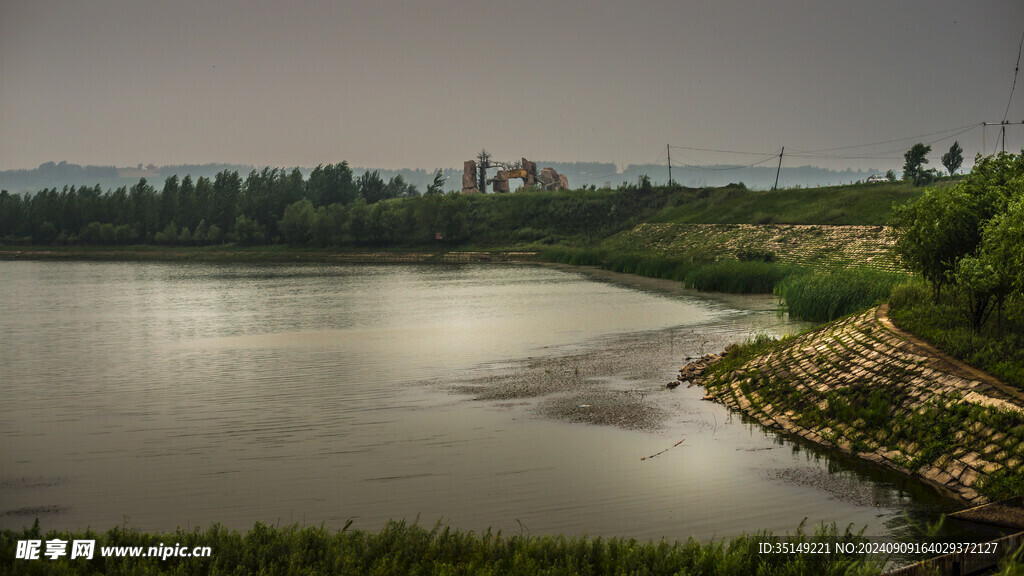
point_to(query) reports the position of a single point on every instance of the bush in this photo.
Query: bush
(748, 254)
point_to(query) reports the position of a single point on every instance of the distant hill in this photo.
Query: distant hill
(580, 174)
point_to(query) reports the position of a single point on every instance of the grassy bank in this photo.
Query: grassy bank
(849, 205)
(401, 548)
(998, 348)
(816, 296)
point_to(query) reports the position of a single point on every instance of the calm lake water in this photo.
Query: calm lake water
(521, 398)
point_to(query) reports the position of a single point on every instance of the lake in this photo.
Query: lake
(522, 398)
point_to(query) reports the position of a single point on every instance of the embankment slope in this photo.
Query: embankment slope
(864, 386)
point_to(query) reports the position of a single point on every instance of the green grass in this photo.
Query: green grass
(402, 548)
(856, 204)
(737, 277)
(997, 349)
(826, 296)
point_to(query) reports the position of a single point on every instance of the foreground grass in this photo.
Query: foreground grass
(402, 548)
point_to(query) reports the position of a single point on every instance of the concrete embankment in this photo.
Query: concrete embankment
(802, 245)
(863, 386)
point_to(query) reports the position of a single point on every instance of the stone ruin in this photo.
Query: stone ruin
(548, 179)
(469, 177)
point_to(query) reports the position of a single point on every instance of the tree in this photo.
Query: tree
(248, 232)
(890, 176)
(969, 236)
(296, 224)
(437, 186)
(371, 186)
(915, 159)
(483, 162)
(954, 158)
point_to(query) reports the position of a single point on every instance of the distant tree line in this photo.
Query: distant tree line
(329, 208)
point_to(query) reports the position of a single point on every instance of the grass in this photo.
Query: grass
(997, 349)
(403, 548)
(739, 277)
(826, 296)
(856, 204)
(732, 276)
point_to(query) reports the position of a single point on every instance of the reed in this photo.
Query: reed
(825, 296)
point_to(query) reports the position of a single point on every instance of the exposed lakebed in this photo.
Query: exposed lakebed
(521, 398)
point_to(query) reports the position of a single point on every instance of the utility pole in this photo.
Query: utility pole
(1000, 138)
(779, 169)
(668, 150)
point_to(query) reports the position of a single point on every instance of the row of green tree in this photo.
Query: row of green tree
(201, 212)
(330, 208)
(967, 240)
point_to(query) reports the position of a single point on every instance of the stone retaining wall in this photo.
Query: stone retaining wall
(806, 245)
(860, 385)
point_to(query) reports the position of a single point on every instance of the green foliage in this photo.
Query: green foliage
(402, 548)
(753, 254)
(970, 236)
(1002, 484)
(825, 296)
(998, 348)
(856, 204)
(954, 158)
(914, 161)
(736, 277)
(576, 257)
(738, 355)
(297, 223)
(909, 293)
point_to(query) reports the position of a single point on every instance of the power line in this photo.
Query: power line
(722, 151)
(963, 128)
(1015, 70)
(726, 168)
(886, 154)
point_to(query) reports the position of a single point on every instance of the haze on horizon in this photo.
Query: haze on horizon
(424, 85)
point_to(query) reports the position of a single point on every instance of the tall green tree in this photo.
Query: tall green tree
(954, 158)
(437, 186)
(914, 161)
(297, 222)
(371, 186)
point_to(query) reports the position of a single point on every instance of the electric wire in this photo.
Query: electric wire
(1016, 69)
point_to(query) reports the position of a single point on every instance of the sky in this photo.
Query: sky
(399, 84)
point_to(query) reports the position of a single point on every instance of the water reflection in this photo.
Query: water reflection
(488, 396)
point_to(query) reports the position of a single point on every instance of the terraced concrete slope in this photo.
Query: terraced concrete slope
(864, 386)
(807, 245)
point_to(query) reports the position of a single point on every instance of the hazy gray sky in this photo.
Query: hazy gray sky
(427, 84)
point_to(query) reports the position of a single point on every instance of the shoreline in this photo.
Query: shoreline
(892, 392)
(221, 254)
